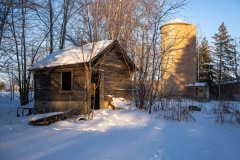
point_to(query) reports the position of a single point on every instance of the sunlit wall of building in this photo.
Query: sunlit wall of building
(178, 47)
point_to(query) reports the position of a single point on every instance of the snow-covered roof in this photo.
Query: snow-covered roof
(234, 81)
(197, 84)
(73, 55)
(177, 20)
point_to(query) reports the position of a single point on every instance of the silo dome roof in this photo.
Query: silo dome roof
(175, 21)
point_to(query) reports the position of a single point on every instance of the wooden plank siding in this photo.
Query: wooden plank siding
(48, 89)
(117, 76)
(48, 85)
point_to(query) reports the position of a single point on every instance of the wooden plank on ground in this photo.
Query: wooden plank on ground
(52, 118)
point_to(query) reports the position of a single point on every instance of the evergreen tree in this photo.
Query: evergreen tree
(223, 57)
(223, 54)
(205, 65)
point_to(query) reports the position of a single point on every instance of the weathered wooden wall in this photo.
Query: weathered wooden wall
(117, 76)
(48, 93)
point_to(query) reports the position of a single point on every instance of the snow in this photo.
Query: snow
(73, 55)
(116, 135)
(176, 20)
(40, 116)
(197, 84)
(121, 103)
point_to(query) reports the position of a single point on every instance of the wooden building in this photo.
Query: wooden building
(229, 89)
(71, 78)
(198, 91)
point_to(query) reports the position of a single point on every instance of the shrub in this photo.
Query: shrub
(174, 109)
(226, 112)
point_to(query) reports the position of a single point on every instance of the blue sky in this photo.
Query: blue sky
(208, 15)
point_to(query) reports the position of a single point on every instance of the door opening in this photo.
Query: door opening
(95, 93)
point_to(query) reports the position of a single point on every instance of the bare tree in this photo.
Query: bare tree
(68, 11)
(49, 14)
(50, 25)
(149, 54)
(4, 10)
(135, 24)
(22, 45)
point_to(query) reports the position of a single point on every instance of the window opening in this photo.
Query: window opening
(66, 80)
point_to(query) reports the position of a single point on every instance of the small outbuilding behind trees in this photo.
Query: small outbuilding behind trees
(82, 77)
(198, 91)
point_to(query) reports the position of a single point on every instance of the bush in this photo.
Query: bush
(2, 86)
(226, 112)
(174, 109)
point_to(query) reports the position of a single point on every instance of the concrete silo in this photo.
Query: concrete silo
(178, 48)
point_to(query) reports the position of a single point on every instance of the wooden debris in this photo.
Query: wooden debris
(194, 108)
(47, 120)
(110, 100)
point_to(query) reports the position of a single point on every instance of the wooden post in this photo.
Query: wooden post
(88, 90)
(101, 90)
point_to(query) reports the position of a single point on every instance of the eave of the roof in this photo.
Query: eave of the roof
(43, 65)
(71, 56)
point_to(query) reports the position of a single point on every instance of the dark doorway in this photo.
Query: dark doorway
(95, 95)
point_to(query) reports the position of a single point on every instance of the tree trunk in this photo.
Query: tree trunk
(88, 89)
(64, 23)
(3, 20)
(50, 25)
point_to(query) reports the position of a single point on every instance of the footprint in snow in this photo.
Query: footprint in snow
(157, 128)
(157, 155)
(130, 122)
(116, 116)
(104, 113)
(106, 119)
(192, 130)
(99, 125)
(56, 129)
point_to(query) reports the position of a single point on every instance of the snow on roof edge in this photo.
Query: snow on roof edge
(175, 21)
(197, 84)
(72, 55)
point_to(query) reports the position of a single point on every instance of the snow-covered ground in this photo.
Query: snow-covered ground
(116, 135)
